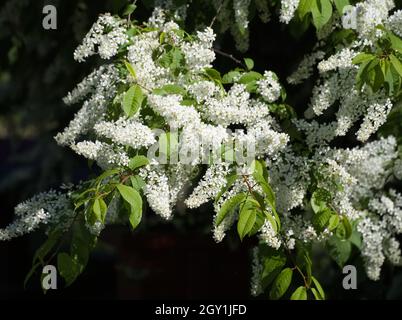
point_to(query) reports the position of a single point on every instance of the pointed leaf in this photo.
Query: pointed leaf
(133, 198)
(229, 206)
(281, 284)
(246, 221)
(299, 294)
(319, 288)
(249, 63)
(396, 64)
(132, 100)
(137, 162)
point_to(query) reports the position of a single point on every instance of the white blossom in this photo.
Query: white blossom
(269, 87)
(126, 132)
(288, 9)
(100, 38)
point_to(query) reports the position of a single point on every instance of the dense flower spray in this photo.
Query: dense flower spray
(157, 113)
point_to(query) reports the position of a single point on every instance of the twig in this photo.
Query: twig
(250, 190)
(217, 13)
(129, 16)
(230, 56)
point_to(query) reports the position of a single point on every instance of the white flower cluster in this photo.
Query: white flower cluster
(335, 93)
(126, 132)
(305, 68)
(394, 22)
(198, 53)
(93, 108)
(200, 112)
(376, 116)
(104, 154)
(240, 8)
(148, 73)
(212, 182)
(48, 208)
(288, 9)
(269, 236)
(157, 191)
(340, 60)
(353, 105)
(370, 14)
(105, 36)
(269, 87)
(239, 29)
(257, 270)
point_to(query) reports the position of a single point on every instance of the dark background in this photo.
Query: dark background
(176, 259)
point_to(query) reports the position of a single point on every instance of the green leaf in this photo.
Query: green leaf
(129, 10)
(362, 74)
(281, 284)
(377, 79)
(316, 294)
(318, 201)
(230, 77)
(396, 64)
(259, 222)
(273, 264)
(104, 175)
(31, 273)
(82, 242)
(260, 168)
(319, 288)
(363, 57)
(67, 268)
(250, 76)
(269, 193)
(132, 100)
(133, 198)
(322, 12)
(396, 42)
(172, 59)
(249, 63)
(137, 182)
(213, 74)
(100, 209)
(339, 250)
(42, 252)
(321, 219)
(304, 7)
(247, 219)
(340, 4)
(356, 239)
(228, 206)
(348, 227)
(130, 69)
(230, 180)
(170, 89)
(272, 221)
(303, 259)
(333, 222)
(260, 174)
(390, 80)
(299, 294)
(138, 162)
(47, 246)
